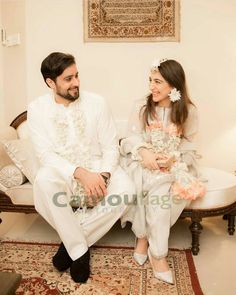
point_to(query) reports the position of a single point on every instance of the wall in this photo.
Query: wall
(2, 112)
(119, 71)
(14, 60)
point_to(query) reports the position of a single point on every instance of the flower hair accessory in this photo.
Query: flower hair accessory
(174, 95)
(156, 63)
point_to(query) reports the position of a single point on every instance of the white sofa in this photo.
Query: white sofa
(219, 200)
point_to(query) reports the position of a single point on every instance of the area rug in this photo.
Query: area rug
(129, 20)
(113, 272)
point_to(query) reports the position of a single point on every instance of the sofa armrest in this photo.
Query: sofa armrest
(3, 188)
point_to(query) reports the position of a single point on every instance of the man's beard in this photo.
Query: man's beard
(68, 96)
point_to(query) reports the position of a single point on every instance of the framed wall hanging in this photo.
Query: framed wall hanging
(131, 20)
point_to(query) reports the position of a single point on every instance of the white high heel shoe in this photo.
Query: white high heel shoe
(165, 276)
(138, 257)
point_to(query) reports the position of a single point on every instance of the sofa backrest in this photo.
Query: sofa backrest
(22, 130)
(121, 126)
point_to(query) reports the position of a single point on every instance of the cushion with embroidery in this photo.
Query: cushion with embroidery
(11, 176)
(22, 153)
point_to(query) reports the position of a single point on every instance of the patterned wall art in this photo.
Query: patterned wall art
(131, 20)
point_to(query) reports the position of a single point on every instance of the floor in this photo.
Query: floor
(215, 264)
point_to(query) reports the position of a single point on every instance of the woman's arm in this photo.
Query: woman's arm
(134, 144)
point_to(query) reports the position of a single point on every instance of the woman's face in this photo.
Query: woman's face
(160, 89)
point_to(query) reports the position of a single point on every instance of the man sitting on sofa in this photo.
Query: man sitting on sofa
(75, 140)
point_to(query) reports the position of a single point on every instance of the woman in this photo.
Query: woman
(159, 154)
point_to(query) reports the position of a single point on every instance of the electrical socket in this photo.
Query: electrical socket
(13, 40)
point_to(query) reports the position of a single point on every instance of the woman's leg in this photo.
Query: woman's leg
(141, 246)
(162, 211)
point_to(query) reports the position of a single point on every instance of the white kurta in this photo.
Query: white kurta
(82, 134)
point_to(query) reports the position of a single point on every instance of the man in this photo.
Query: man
(75, 140)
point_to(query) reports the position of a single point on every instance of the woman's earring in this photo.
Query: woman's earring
(174, 95)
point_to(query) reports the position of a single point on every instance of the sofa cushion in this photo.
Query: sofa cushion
(22, 153)
(22, 194)
(11, 175)
(221, 190)
(23, 131)
(6, 133)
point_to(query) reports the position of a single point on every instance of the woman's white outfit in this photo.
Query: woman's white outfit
(161, 194)
(79, 135)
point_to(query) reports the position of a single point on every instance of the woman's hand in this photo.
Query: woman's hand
(149, 159)
(165, 161)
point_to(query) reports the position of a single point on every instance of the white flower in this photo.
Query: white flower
(174, 95)
(156, 63)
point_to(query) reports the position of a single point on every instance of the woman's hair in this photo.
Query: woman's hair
(174, 74)
(55, 64)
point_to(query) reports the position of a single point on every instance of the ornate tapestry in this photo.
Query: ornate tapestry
(131, 20)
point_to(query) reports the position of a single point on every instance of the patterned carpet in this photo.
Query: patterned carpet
(113, 272)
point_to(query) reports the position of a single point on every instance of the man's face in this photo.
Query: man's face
(67, 84)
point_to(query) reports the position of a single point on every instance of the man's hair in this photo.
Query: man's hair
(55, 64)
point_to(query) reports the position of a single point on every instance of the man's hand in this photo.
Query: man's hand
(93, 184)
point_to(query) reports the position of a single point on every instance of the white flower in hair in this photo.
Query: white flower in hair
(174, 95)
(156, 63)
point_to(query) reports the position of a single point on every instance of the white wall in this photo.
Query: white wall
(14, 60)
(119, 71)
(2, 112)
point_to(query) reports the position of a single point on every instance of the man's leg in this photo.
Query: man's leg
(52, 203)
(78, 231)
(96, 222)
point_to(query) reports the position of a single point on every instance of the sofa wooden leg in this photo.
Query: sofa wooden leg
(196, 229)
(231, 223)
(225, 217)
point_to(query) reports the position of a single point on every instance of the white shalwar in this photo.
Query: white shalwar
(161, 194)
(81, 134)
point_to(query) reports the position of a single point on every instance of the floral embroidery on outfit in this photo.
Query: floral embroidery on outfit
(75, 151)
(166, 141)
